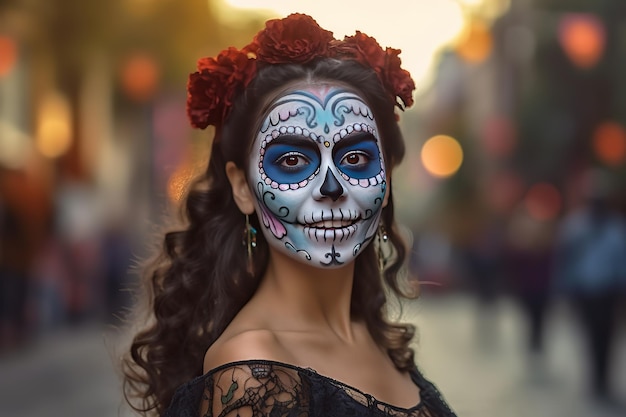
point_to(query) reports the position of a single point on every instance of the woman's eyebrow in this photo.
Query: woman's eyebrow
(354, 138)
(294, 140)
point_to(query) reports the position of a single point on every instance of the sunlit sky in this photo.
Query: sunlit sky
(420, 28)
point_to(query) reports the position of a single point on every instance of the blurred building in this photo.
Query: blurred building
(94, 145)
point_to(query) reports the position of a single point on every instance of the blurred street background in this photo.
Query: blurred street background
(481, 372)
(512, 194)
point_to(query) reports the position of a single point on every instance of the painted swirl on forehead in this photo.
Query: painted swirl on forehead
(318, 110)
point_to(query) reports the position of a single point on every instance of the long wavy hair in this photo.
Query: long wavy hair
(199, 281)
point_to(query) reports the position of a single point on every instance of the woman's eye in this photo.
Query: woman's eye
(292, 160)
(355, 158)
(358, 158)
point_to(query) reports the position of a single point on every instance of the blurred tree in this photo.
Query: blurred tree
(67, 35)
(563, 102)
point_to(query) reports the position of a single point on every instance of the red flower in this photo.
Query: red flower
(210, 90)
(296, 39)
(398, 80)
(386, 63)
(362, 48)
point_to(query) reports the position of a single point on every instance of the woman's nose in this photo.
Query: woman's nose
(331, 187)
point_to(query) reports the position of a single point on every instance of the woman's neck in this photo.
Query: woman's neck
(307, 297)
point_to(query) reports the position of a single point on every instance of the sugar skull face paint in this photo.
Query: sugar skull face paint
(318, 174)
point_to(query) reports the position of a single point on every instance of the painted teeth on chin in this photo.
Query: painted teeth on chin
(352, 229)
(349, 216)
(321, 234)
(348, 231)
(335, 220)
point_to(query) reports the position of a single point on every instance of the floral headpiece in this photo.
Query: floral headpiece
(296, 39)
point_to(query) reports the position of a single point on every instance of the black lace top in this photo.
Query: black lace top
(260, 388)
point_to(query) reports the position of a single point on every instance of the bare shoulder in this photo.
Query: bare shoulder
(245, 344)
(240, 386)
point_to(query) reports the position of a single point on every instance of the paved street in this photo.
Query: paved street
(481, 366)
(68, 374)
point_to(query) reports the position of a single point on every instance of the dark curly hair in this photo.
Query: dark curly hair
(199, 281)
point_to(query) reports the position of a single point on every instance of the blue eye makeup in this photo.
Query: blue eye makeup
(290, 159)
(358, 156)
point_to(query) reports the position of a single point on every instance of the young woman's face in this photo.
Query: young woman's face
(318, 174)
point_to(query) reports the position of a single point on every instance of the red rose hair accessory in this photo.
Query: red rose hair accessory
(212, 88)
(386, 63)
(296, 39)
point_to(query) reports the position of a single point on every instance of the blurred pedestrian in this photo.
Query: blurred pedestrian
(117, 253)
(591, 271)
(24, 210)
(13, 277)
(483, 264)
(528, 265)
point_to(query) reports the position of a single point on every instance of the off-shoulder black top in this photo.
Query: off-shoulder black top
(261, 388)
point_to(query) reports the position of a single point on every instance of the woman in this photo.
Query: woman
(248, 323)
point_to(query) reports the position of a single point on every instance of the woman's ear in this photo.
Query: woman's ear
(241, 192)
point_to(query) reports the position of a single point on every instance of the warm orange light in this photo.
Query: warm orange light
(139, 77)
(8, 55)
(54, 127)
(442, 156)
(543, 201)
(609, 143)
(477, 43)
(139, 8)
(582, 37)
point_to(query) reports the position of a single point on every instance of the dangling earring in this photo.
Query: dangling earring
(382, 238)
(250, 242)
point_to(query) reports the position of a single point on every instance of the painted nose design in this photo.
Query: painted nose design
(331, 187)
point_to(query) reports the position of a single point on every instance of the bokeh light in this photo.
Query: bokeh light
(54, 128)
(582, 37)
(543, 201)
(139, 77)
(476, 44)
(8, 55)
(609, 143)
(442, 156)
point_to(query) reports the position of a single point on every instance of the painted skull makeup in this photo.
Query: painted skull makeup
(318, 175)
